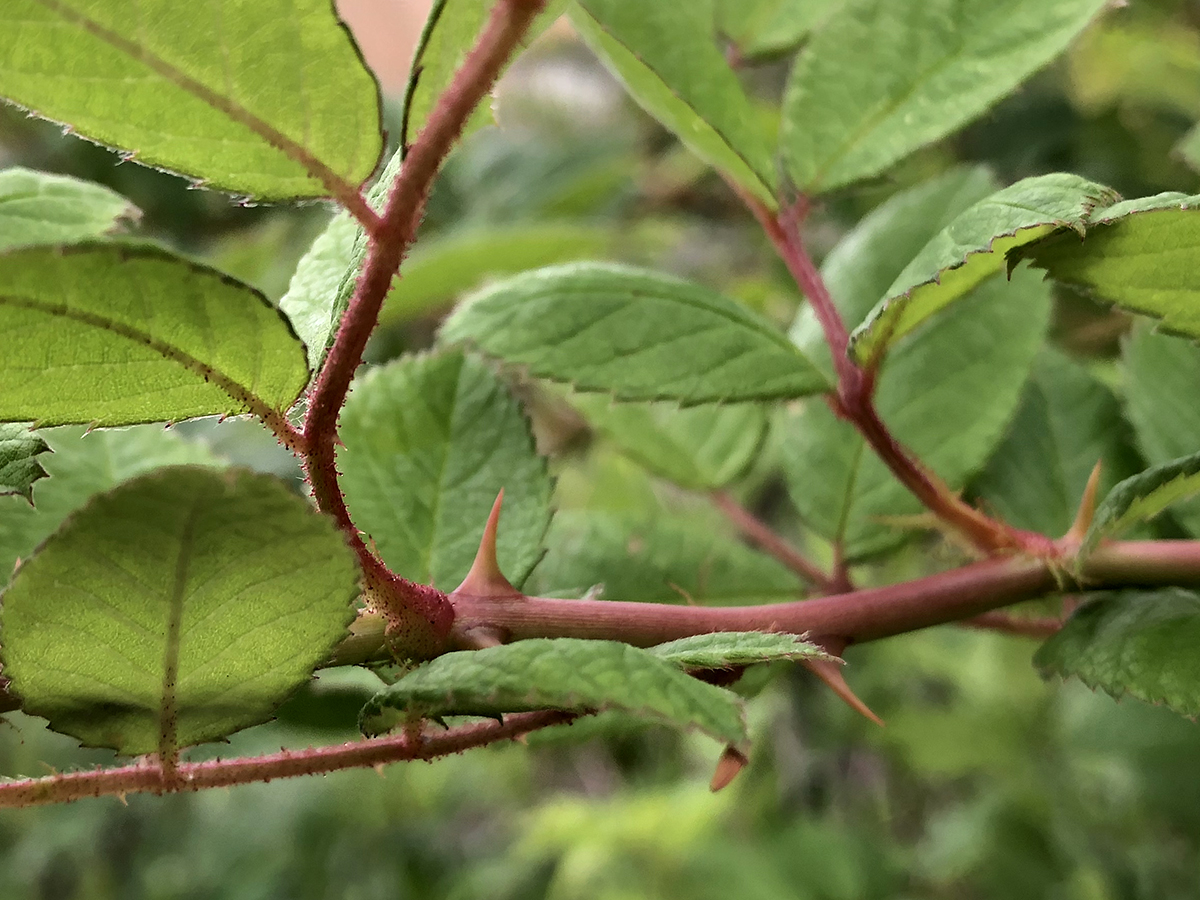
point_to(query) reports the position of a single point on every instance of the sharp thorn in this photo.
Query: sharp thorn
(831, 673)
(485, 578)
(731, 762)
(1087, 507)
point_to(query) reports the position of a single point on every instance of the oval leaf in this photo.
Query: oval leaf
(666, 55)
(1142, 497)
(266, 99)
(881, 78)
(726, 649)
(637, 334)
(176, 609)
(38, 208)
(83, 464)
(113, 335)
(568, 674)
(1141, 643)
(973, 247)
(429, 441)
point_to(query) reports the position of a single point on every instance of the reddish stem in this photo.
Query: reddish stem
(140, 779)
(420, 611)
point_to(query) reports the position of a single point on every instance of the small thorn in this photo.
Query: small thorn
(831, 673)
(731, 762)
(1087, 507)
(485, 578)
(379, 769)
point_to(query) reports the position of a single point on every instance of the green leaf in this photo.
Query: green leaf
(724, 650)
(666, 55)
(321, 275)
(1162, 378)
(1141, 643)
(882, 78)
(947, 392)
(701, 447)
(656, 557)
(568, 674)
(85, 463)
(973, 247)
(1142, 497)
(19, 465)
(38, 208)
(769, 28)
(429, 443)
(112, 335)
(638, 334)
(176, 609)
(265, 99)
(1067, 422)
(859, 270)
(1141, 256)
(448, 36)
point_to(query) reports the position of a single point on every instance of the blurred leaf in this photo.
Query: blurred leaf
(566, 673)
(444, 266)
(1142, 497)
(1162, 382)
(724, 650)
(161, 339)
(1141, 257)
(1141, 643)
(1066, 423)
(449, 34)
(320, 275)
(666, 55)
(656, 557)
(974, 246)
(38, 208)
(882, 78)
(700, 447)
(176, 609)
(249, 98)
(947, 391)
(768, 28)
(429, 441)
(19, 466)
(638, 334)
(83, 464)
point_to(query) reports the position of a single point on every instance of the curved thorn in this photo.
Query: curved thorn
(830, 672)
(485, 578)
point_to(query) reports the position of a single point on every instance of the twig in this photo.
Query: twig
(140, 779)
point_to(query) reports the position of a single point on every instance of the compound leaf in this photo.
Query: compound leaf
(1141, 643)
(265, 99)
(666, 55)
(176, 609)
(882, 78)
(429, 443)
(566, 673)
(975, 246)
(113, 335)
(638, 334)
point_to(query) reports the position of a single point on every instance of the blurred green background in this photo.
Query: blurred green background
(986, 783)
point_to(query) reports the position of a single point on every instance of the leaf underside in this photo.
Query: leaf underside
(1142, 497)
(39, 208)
(176, 609)
(723, 650)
